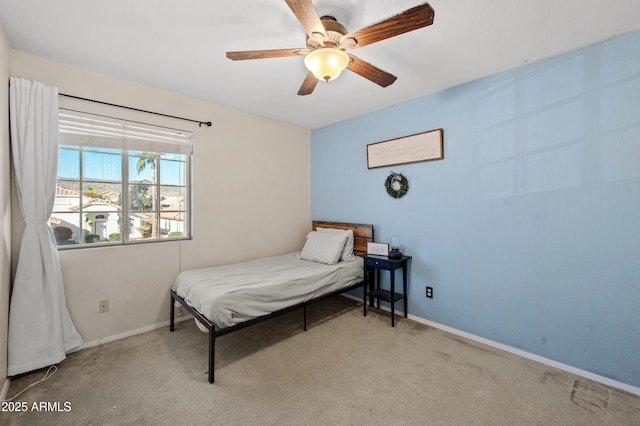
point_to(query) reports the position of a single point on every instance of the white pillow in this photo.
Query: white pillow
(323, 247)
(347, 252)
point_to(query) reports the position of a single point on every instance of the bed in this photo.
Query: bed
(227, 298)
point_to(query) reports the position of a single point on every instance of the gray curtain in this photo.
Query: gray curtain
(41, 332)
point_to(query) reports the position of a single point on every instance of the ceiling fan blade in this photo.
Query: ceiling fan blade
(308, 84)
(307, 15)
(409, 20)
(370, 72)
(263, 54)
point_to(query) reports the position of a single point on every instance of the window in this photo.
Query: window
(120, 182)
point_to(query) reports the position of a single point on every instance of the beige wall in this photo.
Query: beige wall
(5, 207)
(251, 197)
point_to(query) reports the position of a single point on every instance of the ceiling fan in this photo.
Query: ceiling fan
(327, 40)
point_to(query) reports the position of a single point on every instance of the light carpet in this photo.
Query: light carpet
(345, 370)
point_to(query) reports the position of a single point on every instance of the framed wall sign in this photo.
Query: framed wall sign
(380, 249)
(423, 146)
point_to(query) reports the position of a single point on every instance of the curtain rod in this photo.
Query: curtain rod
(200, 123)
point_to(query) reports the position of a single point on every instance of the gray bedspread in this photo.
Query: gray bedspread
(230, 294)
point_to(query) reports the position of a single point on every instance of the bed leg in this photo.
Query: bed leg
(364, 298)
(172, 315)
(212, 354)
(304, 313)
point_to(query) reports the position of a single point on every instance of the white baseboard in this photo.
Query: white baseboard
(133, 332)
(568, 368)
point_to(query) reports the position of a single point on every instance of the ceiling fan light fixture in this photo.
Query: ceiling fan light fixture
(326, 63)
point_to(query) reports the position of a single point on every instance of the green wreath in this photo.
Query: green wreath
(396, 185)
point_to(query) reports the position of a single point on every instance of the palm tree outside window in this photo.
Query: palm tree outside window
(150, 159)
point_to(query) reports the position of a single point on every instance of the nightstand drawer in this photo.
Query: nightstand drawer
(377, 262)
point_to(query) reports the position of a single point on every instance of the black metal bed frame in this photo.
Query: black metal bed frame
(214, 333)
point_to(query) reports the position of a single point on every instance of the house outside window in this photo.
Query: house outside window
(120, 182)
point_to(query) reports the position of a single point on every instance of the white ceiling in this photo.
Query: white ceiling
(181, 45)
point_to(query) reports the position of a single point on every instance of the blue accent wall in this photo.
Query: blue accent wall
(529, 228)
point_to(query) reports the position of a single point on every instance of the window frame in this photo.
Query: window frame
(125, 211)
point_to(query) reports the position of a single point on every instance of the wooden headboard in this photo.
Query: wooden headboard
(363, 233)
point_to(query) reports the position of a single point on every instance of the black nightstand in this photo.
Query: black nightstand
(371, 263)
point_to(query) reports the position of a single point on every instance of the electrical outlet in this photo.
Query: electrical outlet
(429, 292)
(103, 306)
